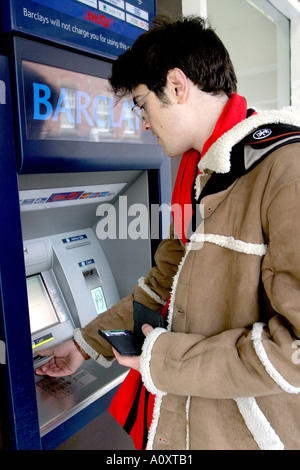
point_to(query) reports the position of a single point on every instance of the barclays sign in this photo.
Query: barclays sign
(62, 104)
(83, 109)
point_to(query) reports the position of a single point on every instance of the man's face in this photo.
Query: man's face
(163, 120)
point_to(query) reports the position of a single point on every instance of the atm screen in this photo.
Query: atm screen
(41, 311)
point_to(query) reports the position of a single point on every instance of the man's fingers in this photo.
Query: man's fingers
(146, 329)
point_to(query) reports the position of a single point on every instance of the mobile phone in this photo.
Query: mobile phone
(123, 341)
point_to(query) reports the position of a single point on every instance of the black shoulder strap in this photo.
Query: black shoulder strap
(250, 151)
(270, 133)
(263, 141)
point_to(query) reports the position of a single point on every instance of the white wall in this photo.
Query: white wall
(290, 9)
(194, 7)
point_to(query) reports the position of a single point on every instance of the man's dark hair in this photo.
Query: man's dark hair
(188, 44)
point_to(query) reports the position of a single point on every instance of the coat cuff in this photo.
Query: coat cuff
(77, 335)
(145, 360)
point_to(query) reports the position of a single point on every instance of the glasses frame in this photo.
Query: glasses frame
(136, 112)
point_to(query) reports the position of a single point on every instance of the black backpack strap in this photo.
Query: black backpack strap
(260, 143)
(249, 152)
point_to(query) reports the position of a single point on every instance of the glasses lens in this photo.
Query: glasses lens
(137, 109)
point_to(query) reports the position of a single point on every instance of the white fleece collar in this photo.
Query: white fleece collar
(217, 158)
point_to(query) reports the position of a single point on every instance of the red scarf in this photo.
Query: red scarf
(234, 112)
(132, 406)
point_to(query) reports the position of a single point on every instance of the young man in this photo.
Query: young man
(225, 372)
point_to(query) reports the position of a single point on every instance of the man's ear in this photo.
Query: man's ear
(177, 83)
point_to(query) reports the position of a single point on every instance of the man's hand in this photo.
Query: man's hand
(67, 359)
(132, 361)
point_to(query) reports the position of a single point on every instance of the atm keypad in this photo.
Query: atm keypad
(61, 387)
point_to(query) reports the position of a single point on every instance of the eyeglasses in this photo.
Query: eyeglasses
(137, 112)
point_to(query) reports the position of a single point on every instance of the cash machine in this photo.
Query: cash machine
(84, 170)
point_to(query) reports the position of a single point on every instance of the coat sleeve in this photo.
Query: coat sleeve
(262, 359)
(152, 291)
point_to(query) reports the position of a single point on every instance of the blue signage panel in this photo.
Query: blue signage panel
(107, 28)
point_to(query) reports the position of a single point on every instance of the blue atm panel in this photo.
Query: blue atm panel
(107, 28)
(17, 389)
